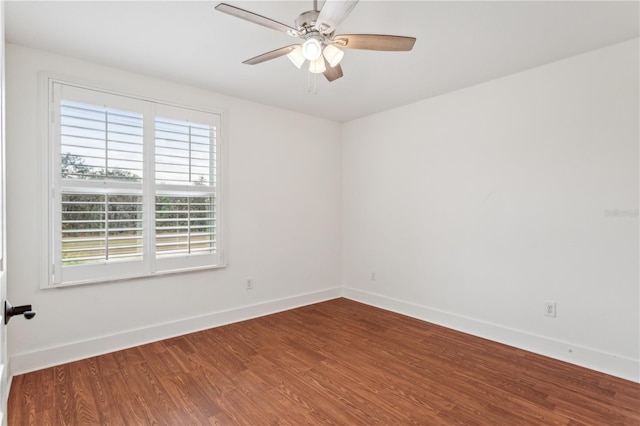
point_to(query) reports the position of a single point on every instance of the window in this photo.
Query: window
(135, 187)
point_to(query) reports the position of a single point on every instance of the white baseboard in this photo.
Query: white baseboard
(611, 364)
(614, 365)
(36, 360)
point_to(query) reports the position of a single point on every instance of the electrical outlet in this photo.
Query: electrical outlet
(549, 308)
(249, 283)
(373, 276)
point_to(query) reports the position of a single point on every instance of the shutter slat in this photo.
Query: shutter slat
(98, 226)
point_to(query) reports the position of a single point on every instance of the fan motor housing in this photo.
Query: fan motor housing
(307, 20)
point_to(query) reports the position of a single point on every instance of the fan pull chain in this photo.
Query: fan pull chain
(315, 82)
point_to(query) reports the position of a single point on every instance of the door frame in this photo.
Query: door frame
(4, 365)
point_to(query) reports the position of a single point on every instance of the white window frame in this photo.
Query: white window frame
(53, 274)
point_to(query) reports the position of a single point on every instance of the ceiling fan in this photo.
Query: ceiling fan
(321, 46)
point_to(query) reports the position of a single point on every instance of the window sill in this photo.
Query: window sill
(130, 277)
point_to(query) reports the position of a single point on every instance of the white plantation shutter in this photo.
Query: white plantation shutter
(99, 227)
(134, 187)
(186, 176)
(185, 224)
(185, 152)
(107, 142)
(99, 144)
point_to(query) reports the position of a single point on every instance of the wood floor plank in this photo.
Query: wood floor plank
(83, 395)
(64, 404)
(107, 413)
(338, 362)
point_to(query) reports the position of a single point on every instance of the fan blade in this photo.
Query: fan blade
(333, 12)
(257, 19)
(270, 55)
(374, 42)
(332, 73)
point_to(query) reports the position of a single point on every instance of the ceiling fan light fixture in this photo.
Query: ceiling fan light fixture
(296, 56)
(317, 66)
(333, 55)
(320, 45)
(312, 48)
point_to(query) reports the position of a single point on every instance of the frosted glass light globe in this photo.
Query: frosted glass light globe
(312, 49)
(333, 55)
(317, 66)
(296, 56)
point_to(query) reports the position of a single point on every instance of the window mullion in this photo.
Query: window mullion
(149, 190)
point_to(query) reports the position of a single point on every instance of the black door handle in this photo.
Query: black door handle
(10, 311)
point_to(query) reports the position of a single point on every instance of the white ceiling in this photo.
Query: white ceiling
(459, 44)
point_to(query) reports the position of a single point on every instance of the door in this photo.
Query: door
(4, 388)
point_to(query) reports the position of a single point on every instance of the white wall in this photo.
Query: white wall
(474, 207)
(471, 209)
(283, 225)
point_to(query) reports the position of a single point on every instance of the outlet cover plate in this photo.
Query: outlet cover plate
(549, 308)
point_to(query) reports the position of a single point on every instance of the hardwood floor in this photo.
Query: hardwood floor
(338, 362)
